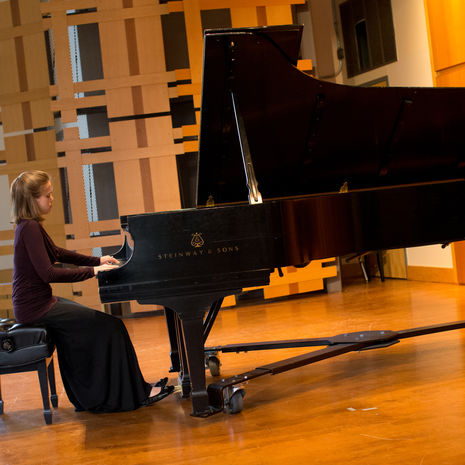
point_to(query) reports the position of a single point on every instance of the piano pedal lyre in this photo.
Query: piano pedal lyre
(233, 399)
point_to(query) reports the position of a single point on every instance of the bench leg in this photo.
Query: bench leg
(1, 400)
(43, 381)
(51, 382)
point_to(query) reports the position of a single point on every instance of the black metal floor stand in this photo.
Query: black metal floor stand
(189, 326)
(336, 345)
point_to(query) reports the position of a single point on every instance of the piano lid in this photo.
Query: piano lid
(308, 136)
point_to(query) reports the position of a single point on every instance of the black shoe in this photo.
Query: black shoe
(161, 383)
(165, 392)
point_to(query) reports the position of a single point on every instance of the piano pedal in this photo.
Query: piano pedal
(233, 400)
(177, 388)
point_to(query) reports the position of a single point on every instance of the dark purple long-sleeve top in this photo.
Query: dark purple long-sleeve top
(33, 269)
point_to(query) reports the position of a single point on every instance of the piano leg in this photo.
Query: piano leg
(191, 328)
(170, 317)
(189, 319)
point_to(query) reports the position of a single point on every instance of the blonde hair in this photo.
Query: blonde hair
(24, 191)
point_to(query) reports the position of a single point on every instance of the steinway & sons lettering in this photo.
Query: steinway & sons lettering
(198, 252)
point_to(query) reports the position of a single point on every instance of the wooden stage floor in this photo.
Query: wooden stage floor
(403, 405)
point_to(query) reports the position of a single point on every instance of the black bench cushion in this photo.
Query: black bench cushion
(23, 344)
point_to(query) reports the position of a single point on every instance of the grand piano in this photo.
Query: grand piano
(291, 169)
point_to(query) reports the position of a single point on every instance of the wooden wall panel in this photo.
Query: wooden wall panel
(142, 144)
(5, 16)
(6, 308)
(129, 187)
(28, 11)
(15, 149)
(214, 4)
(194, 38)
(155, 98)
(446, 25)
(44, 143)
(25, 103)
(164, 175)
(295, 280)
(115, 49)
(119, 102)
(150, 48)
(35, 55)
(41, 116)
(115, 63)
(9, 81)
(63, 67)
(447, 31)
(12, 116)
(451, 77)
(244, 17)
(123, 135)
(280, 14)
(159, 131)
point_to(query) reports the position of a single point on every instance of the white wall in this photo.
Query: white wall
(413, 65)
(432, 255)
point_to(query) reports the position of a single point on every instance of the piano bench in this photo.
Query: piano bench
(28, 348)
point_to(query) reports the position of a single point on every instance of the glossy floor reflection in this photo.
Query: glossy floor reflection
(404, 404)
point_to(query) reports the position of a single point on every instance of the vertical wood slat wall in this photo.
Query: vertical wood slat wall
(135, 84)
(446, 25)
(26, 106)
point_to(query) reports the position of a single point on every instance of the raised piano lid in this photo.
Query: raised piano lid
(308, 136)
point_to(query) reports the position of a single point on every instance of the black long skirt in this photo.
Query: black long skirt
(98, 364)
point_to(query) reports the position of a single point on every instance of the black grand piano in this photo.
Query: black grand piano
(291, 169)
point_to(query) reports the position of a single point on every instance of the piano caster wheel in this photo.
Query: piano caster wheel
(235, 403)
(213, 364)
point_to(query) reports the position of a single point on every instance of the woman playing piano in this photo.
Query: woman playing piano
(98, 364)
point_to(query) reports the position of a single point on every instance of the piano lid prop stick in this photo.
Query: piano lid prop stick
(252, 184)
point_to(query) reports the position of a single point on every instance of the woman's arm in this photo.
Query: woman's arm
(74, 258)
(40, 260)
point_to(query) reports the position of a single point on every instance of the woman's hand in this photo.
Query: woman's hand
(108, 260)
(107, 263)
(105, 267)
